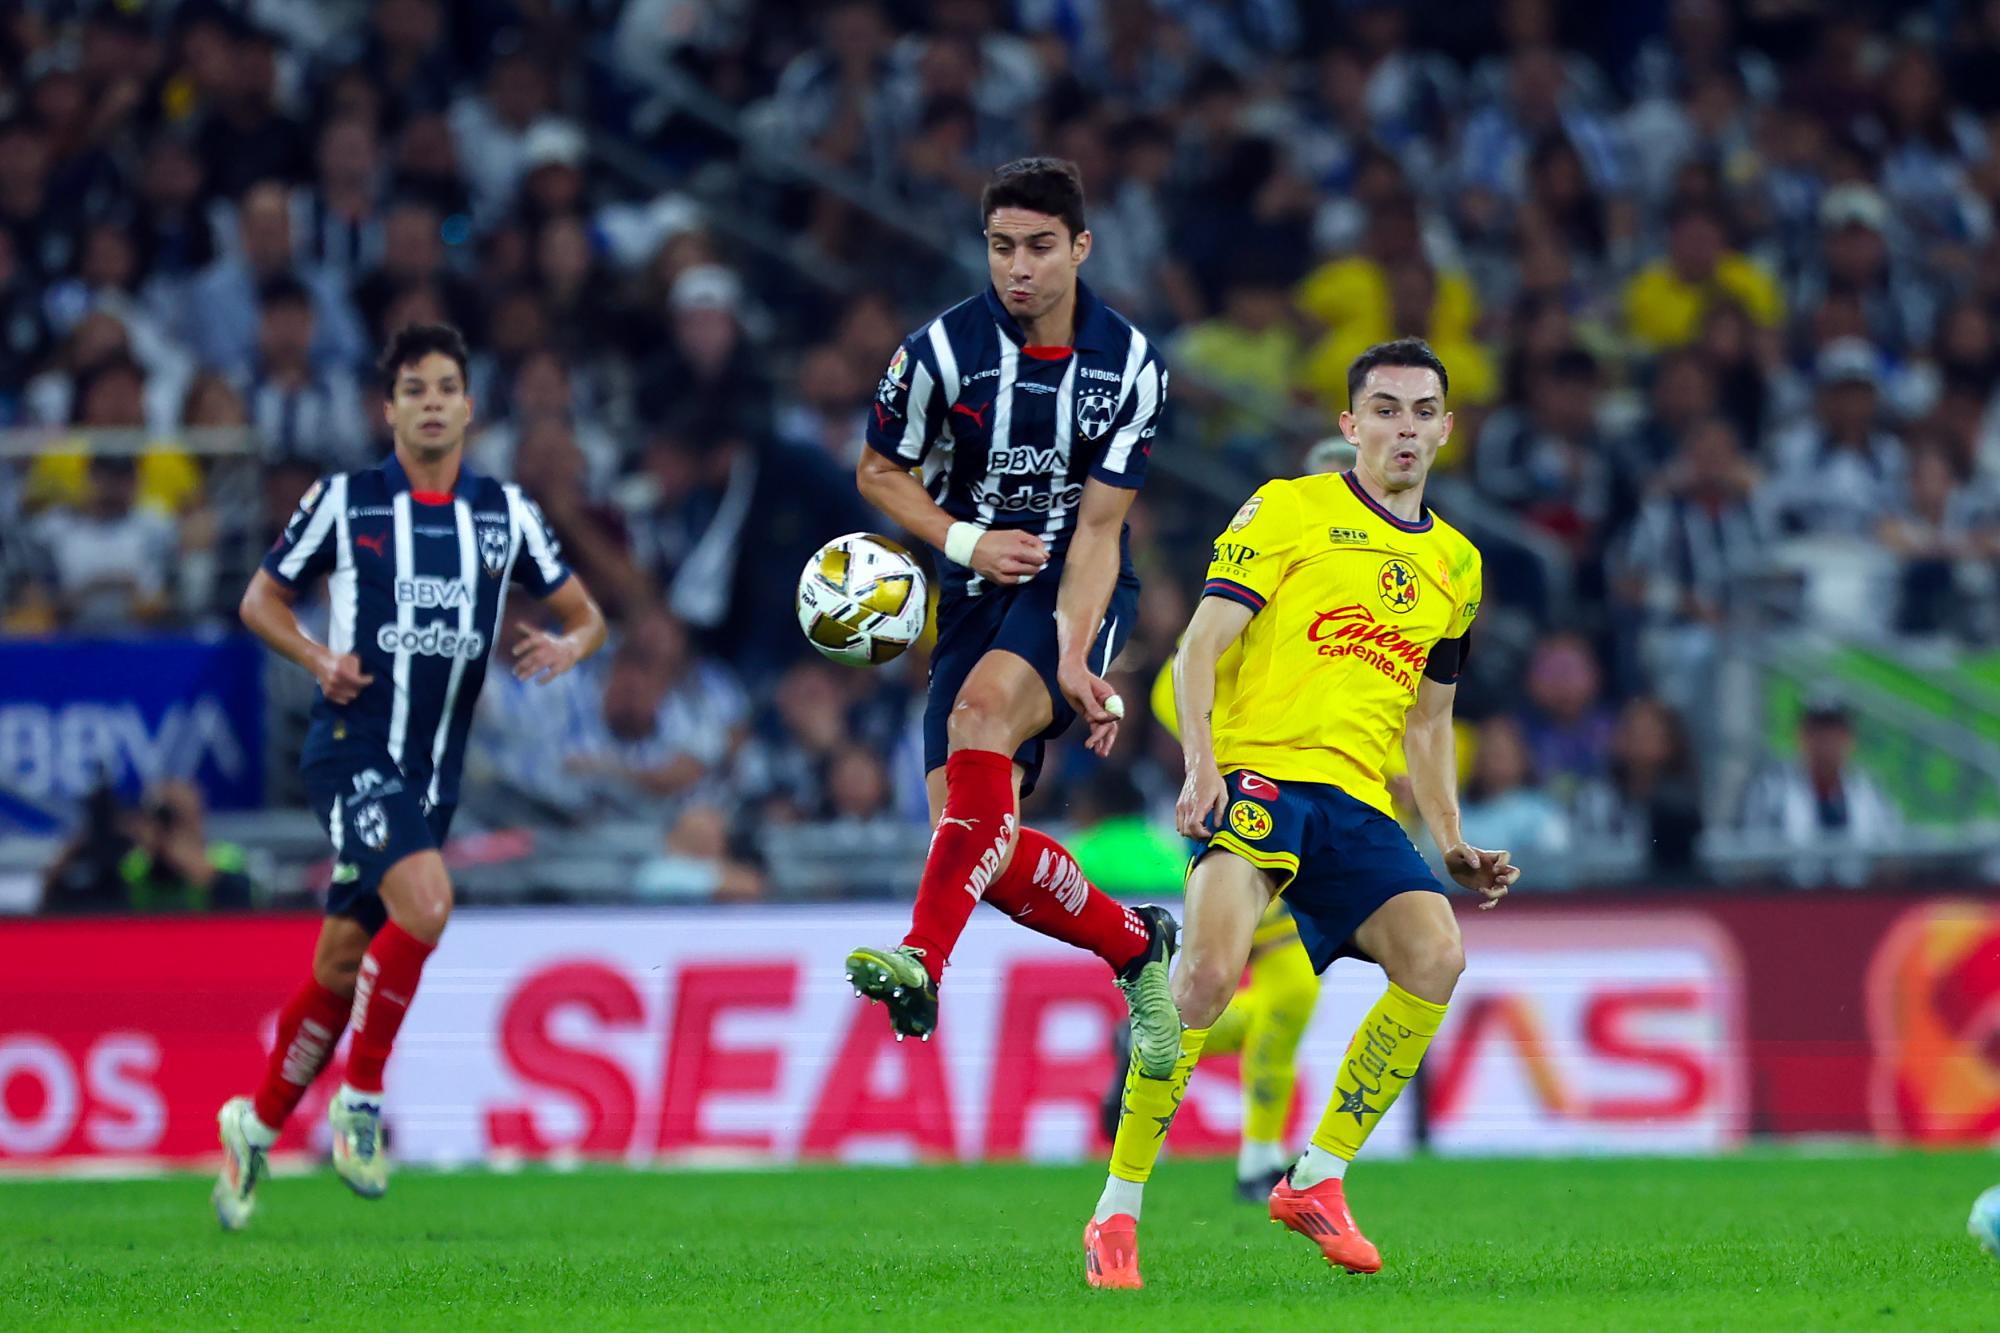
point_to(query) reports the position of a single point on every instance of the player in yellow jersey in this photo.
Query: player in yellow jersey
(1267, 1018)
(1352, 604)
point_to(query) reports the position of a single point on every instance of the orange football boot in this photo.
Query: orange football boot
(1320, 1215)
(1111, 1252)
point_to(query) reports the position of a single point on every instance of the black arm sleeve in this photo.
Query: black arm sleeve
(1447, 659)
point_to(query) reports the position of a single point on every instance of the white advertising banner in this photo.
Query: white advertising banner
(731, 1034)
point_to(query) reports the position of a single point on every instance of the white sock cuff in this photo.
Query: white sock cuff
(1120, 1196)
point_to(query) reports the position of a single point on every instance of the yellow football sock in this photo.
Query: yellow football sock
(1380, 1061)
(1150, 1104)
(1226, 1034)
(1286, 989)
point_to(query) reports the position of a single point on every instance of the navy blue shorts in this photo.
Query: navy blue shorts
(1019, 620)
(1336, 859)
(374, 821)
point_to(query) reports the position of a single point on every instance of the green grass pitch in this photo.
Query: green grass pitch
(1764, 1240)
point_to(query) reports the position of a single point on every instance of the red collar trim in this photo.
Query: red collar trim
(1047, 353)
(431, 497)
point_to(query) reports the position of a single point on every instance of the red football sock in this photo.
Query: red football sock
(309, 1027)
(382, 994)
(972, 837)
(1044, 889)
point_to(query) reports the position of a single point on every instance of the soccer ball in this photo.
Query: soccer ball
(861, 599)
(1984, 1223)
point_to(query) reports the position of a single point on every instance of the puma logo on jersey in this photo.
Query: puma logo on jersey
(978, 414)
(377, 542)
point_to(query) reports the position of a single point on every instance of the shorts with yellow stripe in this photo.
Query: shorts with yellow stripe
(1335, 859)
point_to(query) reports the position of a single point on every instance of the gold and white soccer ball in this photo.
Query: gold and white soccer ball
(861, 599)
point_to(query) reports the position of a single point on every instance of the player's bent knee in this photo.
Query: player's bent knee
(1202, 991)
(977, 722)
(418, 894)
(1430, 968)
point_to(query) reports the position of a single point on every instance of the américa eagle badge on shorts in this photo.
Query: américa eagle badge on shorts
(1250, 820)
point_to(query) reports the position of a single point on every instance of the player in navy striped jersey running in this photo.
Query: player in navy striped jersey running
(1030, 410)
(418, 553)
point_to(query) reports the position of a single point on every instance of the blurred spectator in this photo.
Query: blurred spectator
(1650, 797)
(1939, 528)
(541, 387)
(1548, 460)
(1854, 258)
(491, 128)
(791, 742)
(553, 157)
(1838, 470)
(1133, 266)
(856, 782)
(1250, 349)
(107, 282)
(706, 361)
(1666, 300)
(1536, 103)
(1390, 288)
(57, 395)
(1682, 395)
(426, 167)
(551, 470)
(670, 722)
(828, 414)
(695, 862)
(24, 332)
(1504, 806)
(1688, 561)
(105, 565)
(1567, 727)
(221, 318)
(337, 222)
(831, 96)
(413, 254)
(300, 410)
(1925, 146)
(244, 136)
(157, 858)
(1830, 814)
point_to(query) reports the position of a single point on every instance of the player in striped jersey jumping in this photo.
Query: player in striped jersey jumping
(1030, 410)
(418, 554)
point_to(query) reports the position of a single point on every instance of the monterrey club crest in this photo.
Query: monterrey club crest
(1094, 412)
(493, 548)
(371, 825)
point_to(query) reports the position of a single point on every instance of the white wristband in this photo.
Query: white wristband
(959, 539)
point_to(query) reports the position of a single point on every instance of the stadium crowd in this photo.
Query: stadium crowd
(1716, 285)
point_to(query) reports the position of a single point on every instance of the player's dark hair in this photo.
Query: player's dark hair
(412, 343)
(1040, 185)
(1402, 352)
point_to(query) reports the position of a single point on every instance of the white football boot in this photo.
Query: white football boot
(359, 1157)
(244, 1142)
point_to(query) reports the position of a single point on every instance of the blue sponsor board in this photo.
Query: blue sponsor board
(75, 713)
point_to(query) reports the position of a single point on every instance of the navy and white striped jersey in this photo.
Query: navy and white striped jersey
(417, 586)
(1006, 433)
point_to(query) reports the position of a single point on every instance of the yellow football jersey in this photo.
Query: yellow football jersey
(1350, 600)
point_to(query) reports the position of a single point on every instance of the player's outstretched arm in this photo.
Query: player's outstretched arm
(1217, 622)
(266, 610)
(1431, 748)
(542, 656)
(1089, 572)
(1002, 555)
